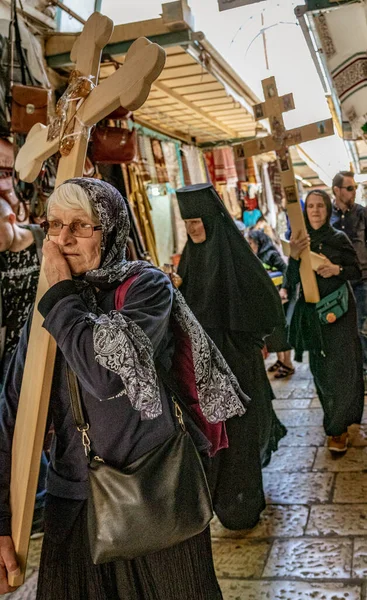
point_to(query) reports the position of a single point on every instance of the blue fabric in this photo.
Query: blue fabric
(251, 217)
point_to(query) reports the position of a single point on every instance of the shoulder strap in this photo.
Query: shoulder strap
(121, 291)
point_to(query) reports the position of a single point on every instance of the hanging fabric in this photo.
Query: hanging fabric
(140, 204)
(224, 164)
(194, 164)
(209, 159)
(172, 164)
(160, 165)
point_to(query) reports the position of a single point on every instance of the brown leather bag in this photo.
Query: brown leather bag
(29, 106)
(114, 145)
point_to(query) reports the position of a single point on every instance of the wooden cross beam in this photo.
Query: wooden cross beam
(128, 87)
(279, 141)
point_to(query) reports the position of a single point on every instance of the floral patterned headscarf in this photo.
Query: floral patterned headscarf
(121, 346)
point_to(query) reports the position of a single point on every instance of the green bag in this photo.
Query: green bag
(333, 306)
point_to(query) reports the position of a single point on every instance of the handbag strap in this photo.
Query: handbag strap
(77, 408)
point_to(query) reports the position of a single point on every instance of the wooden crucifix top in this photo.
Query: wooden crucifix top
(279, 141)
(84, 104)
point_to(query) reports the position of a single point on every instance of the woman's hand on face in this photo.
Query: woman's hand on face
(8, 563)
(328, 269)
(298, 244)
(56, 267)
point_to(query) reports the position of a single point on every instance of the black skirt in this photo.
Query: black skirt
(183, 572)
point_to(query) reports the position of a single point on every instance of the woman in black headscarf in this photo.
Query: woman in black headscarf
(233, 298)
(272, 260)
(334, 347)
(113, 322)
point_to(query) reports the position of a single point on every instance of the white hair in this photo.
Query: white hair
(72, 196)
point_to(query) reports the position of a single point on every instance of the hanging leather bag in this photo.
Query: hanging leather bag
(29, 103)
(28, 107)
(114, 145)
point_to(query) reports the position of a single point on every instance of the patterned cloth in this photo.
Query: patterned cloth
(122, 347)
(160, 165)
(195, 164)
(19, 282)
(173, 168)
(224, 164)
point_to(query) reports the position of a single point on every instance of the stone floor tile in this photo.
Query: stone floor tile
(281, 393)
(291, 403)
(238, 558)
(297, 488)
(338, 519)
(315, 403)
(308, 392)
(291, 459)
(360, 558)
(303, 436)
(288, 590)
(275, 521)
(28, 591)
(350, 488)
(357, 435)
(310, 558)
(301, 418)
(355, 459)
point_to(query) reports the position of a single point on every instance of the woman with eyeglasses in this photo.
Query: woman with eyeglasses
(328, 330)
(117, 326)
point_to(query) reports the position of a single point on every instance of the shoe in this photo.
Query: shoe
(338, 443)
(283, 372)
(275, 366)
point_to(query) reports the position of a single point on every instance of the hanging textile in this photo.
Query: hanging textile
(185, 168)
(145, 148)
(194, 164)
(250, 170)
(179, 229)
(209, 160)
(230, 199)
(241, 169)
(160, 165)
(160, 202)
(143, 162)
(269, 209)
(139, 202)
(225, 168)
(172, 164)
(346, 58)
(276, 182)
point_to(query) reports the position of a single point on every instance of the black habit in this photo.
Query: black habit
(335, 351)
(233, 298)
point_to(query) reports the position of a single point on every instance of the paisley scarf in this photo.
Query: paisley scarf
(121, 346)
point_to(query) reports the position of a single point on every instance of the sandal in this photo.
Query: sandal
(275, 366)
(283, 372)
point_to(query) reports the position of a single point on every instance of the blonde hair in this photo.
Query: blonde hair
(72, 196)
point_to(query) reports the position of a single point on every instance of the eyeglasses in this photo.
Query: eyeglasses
(349, 188)
(77, 228)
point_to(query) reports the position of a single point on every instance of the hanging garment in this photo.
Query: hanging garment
(140, 203)
(267, 206)
(276, 182)
(192, 156)
(172, 164)
(148, 157)
(179, 229)
(160, 165)
(209, 160)
(160, 202)
(225, 168)
(143, 162)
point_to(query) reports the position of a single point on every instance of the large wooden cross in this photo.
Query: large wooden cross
(129, 87)
(279, 141)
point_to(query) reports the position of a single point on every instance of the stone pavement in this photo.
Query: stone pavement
(311, 542)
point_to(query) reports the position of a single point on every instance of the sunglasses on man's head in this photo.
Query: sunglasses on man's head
(349, 188)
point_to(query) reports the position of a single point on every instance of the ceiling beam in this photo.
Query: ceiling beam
(195, 109)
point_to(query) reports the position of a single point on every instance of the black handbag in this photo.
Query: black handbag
(159, 500)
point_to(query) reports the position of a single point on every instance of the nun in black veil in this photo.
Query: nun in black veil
(235, 301)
